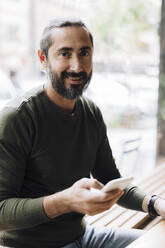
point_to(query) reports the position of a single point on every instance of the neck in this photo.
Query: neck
(65, 104)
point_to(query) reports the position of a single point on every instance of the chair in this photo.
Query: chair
(128, 160)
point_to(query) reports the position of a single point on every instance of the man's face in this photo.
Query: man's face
(69, 64)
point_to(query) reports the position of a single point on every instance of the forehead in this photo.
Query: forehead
(73, 37)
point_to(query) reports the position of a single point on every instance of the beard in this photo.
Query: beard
(75, 90)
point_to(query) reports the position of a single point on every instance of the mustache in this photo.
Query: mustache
(81, 74)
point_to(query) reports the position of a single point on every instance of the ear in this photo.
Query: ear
(42, 59)
(41, 56)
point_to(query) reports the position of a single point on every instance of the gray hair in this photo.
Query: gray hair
(46, 38)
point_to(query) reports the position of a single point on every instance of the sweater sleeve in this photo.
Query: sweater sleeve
(133, 198)
(15, 146)
(105, 170)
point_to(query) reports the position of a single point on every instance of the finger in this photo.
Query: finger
(104, 197)
(98, 196)
(114, 201)
(99, 208)
(91, 183)
(96, 184)
(96, 208)
(115, 193)
(107, 205)
(104, 205)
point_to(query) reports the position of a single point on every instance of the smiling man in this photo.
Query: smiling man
(50, 142)
(68, 62)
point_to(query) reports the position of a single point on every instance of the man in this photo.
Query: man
(50, 142)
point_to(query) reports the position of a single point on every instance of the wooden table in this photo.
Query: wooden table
(154, 238)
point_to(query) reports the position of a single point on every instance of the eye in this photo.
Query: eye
(65, 54)
(84, 53)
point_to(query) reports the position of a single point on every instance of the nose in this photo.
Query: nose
(76, 64)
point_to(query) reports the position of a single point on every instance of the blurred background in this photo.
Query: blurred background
(125, 83)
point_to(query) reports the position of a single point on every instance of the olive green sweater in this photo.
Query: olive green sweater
(42, 151)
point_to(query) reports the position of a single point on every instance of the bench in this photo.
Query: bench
(152, 238)
(120, 217)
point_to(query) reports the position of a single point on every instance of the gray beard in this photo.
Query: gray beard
(75, 91)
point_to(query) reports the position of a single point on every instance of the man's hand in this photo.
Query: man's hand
(80, 198)
(86, 201)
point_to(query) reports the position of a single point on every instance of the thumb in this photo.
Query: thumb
(90, 183)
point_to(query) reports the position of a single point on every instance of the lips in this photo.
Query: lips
(75, 79)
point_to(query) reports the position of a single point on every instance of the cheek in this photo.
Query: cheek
(59, 67)
(88, 65)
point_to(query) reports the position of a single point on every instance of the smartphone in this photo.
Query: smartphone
(119, 183)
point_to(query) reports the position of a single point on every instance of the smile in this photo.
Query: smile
(75, 79)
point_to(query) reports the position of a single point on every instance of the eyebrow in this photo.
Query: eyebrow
(71, 49)
(86, 48)
(65, 49)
